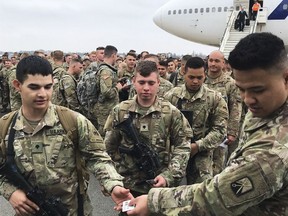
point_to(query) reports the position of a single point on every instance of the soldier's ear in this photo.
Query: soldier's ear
(16, 84)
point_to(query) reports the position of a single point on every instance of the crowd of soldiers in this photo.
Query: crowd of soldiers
(214, 101)
(162, 121)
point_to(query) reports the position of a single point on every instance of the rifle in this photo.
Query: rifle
(49, 206)
(146, 158)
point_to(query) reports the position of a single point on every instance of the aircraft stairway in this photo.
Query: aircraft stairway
(232, 36)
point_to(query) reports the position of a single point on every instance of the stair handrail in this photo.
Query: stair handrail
(229, 25)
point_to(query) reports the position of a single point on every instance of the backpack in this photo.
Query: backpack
(68, 120)
(88, 88)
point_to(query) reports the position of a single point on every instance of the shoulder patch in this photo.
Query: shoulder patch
(242, 186)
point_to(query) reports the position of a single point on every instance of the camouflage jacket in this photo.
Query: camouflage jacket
(108, 96)
(58, 72)
(229, 91)
(254, 182)
(68, 88)
(209, 111)
(52, 166)
(168, 132)
(15, 97)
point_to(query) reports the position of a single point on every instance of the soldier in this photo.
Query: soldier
(207, 114)
(177, 78)
(67, 92)
(58, 71)
(14, 96)
(161, 128)
(255, 180)
(4, 85)
(109, 87)
(45, 153)
(219, 81)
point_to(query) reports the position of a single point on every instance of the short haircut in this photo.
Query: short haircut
(259, 50)
(163, 63)
(185, 58)
(195, 63)
(32, 65)
(100, 48)
(109, 51)
(131, 54)
(75, 60)
(155, 57)
(58, 55)
(145, 68)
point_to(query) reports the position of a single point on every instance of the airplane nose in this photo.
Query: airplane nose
(158, 17)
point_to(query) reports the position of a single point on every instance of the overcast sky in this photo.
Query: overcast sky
(83, 25)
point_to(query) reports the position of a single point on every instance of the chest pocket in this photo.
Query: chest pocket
(60, 152)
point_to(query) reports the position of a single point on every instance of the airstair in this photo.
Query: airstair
(232, 36)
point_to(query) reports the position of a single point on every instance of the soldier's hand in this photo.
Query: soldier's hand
(194, 149)
(21, 204)
(160, 181)
(141, 206)
(119, 195)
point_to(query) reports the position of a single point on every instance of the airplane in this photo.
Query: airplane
(205, 21)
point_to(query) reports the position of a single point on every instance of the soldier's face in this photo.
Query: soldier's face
(146, 88)
(162, 70)
(194, 78)
(263, 92)
(215, 62)
(130, 61)
(35, 91)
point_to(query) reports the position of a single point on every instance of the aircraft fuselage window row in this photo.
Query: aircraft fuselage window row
(197, 10)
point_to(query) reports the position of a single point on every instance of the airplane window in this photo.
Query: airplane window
(174, 11)
(219, 9)
(185, 11)
(179, 11)
(231, 8)
(190, 10)
(213, 9)
(169, 12)
(225, 9)
(201, 10)
(285, 6)
(207, 10)
(196, 10)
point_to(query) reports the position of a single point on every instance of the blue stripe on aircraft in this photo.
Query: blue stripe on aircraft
(279, 13)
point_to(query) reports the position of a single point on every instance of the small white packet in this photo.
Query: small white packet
(126, 207)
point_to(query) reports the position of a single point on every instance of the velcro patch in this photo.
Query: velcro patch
(242, 186)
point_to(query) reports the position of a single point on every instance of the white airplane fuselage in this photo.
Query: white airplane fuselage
(204, 21)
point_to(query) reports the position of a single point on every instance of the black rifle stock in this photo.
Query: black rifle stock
(51, 206)
(146, 158)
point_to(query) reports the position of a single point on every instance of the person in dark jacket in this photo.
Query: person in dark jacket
(241, 17)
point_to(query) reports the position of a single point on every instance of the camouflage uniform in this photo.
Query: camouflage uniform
(177, 79)
(229, 91)
(4, 89)
(209, 123)
(15, 97)
(68, 87)
(58, 72)
(53, 168)
(164, 87)
(108, 95)
(168, 132)
(254, 182)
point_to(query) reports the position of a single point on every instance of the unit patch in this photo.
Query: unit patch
(242, 186)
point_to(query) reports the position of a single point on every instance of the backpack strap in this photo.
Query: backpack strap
(5, 122)
(68, 119)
